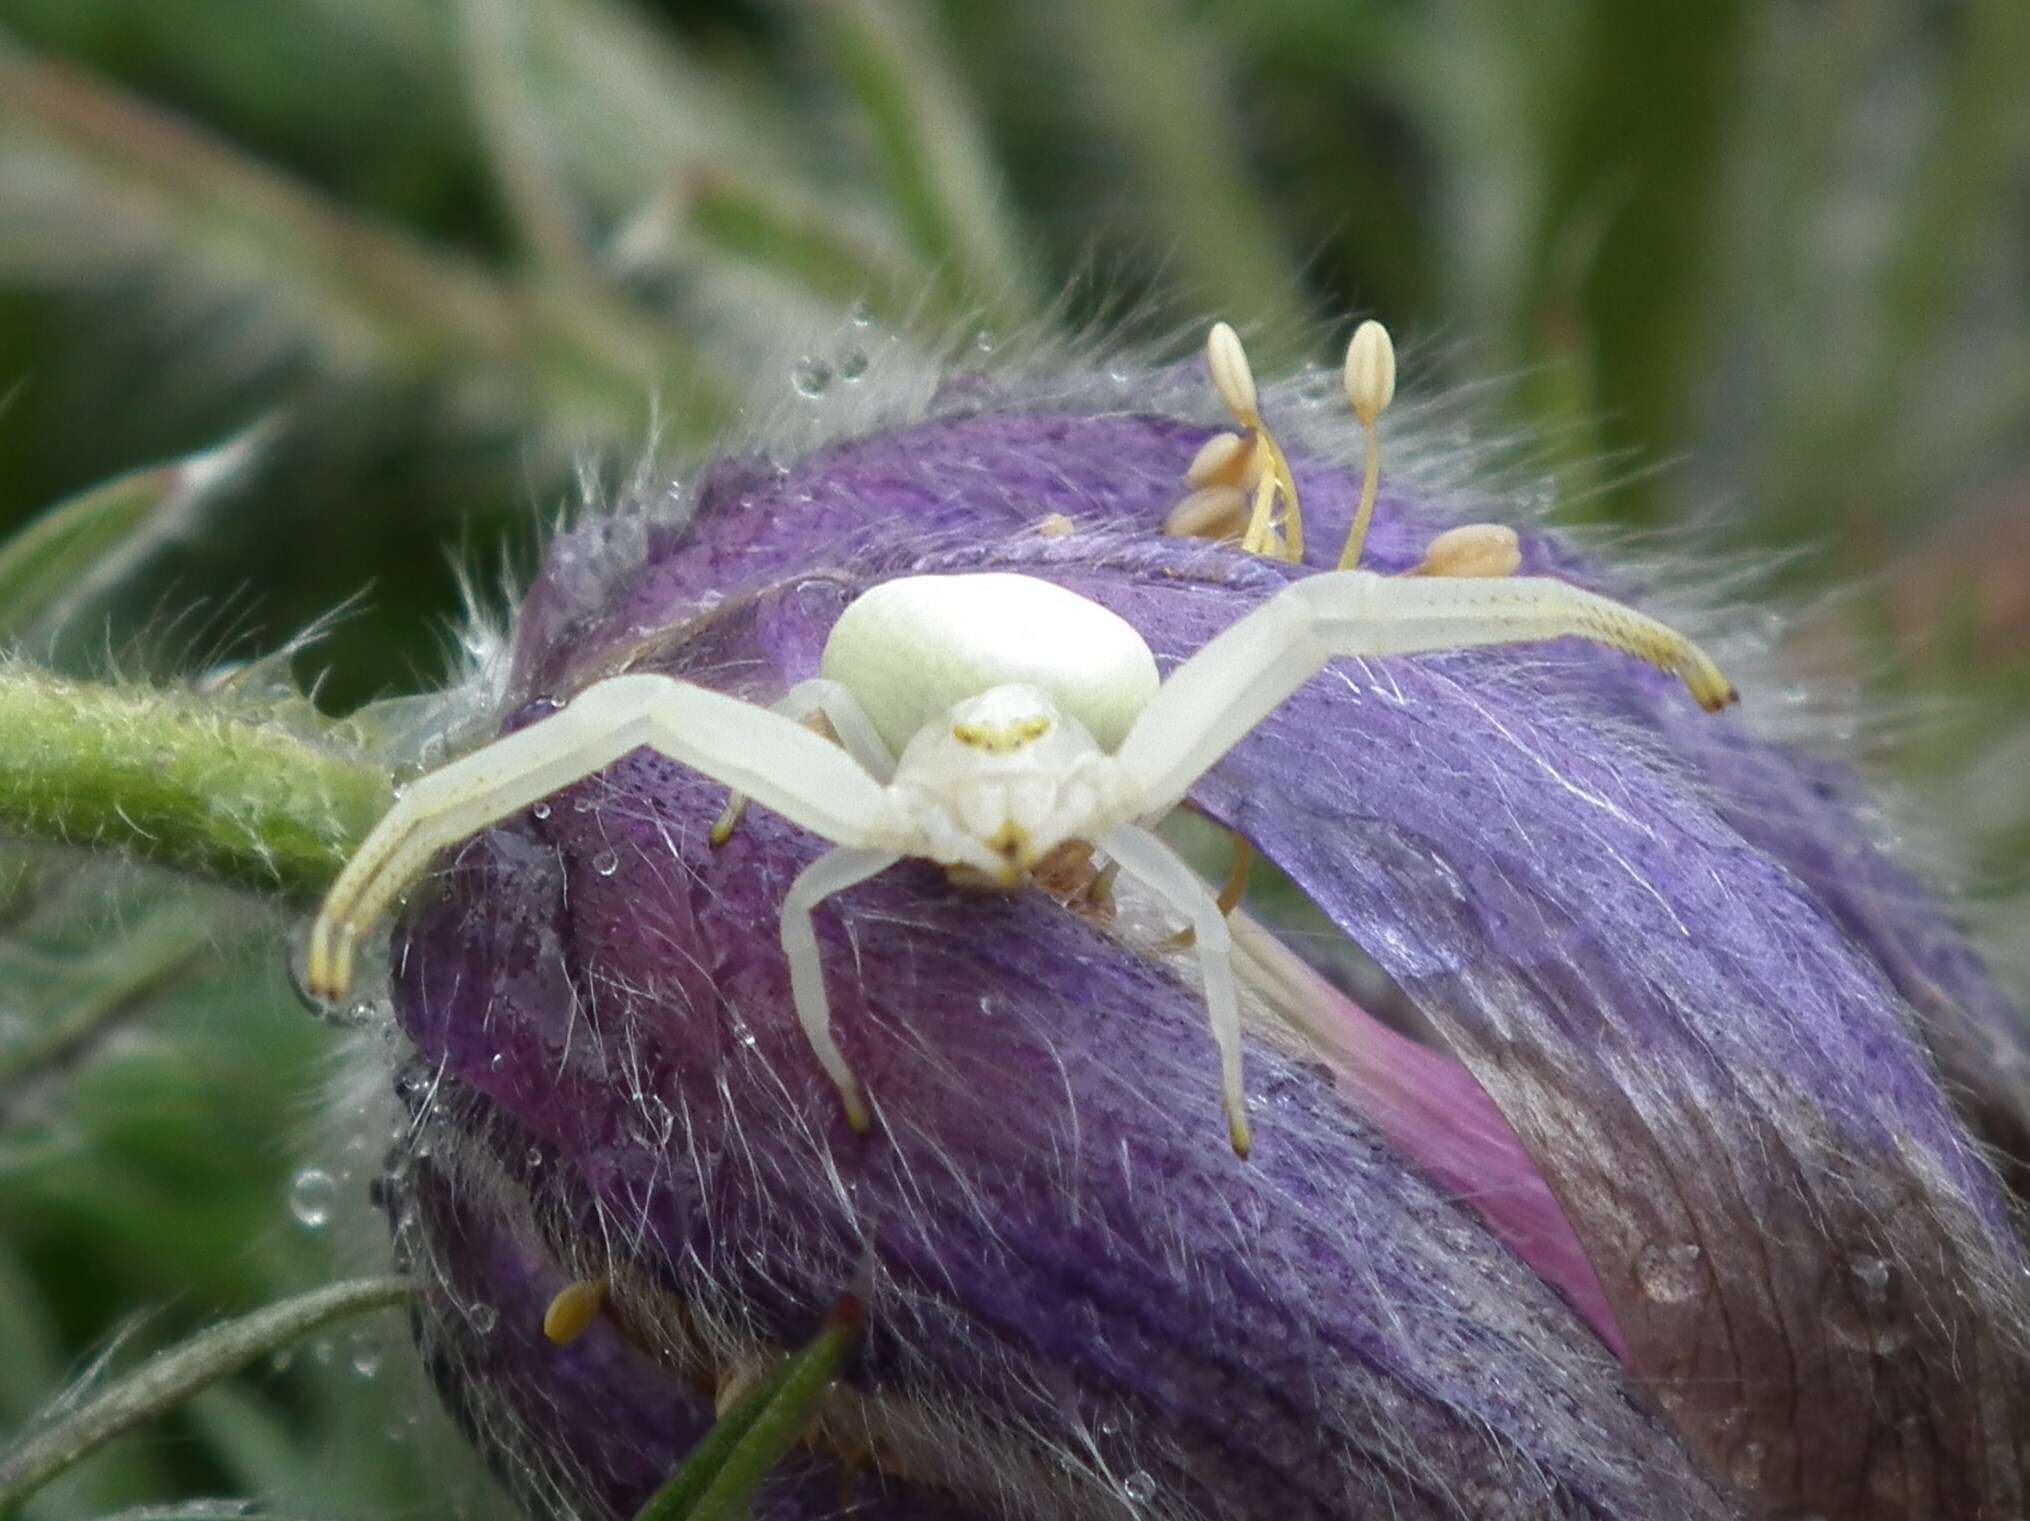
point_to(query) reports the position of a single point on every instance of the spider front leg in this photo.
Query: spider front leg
(1211, 702)
(849, 722)
(785, 767)
(1148, 860)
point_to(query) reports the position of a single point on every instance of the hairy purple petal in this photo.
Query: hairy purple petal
(1080, 1295)
(1654, 941)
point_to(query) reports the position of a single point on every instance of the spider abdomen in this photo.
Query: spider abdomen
(909, 649)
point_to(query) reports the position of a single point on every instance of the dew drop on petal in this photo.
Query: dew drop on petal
(364, 1353)
(311, 1195)
(484, 1318)
(852, 364)
(1139, 1488)
(810, 377)
(539, 811)
(862, 313)
(606, 863)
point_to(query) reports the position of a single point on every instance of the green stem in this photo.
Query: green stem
(173, 1376)
(170, 777)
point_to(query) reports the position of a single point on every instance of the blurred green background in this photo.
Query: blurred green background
(1756, 276)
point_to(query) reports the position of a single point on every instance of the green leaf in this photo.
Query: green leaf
(80, 549)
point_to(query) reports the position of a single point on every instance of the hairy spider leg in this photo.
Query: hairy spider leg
(777, 761)
(1158, 868)
(849, 721)
(832, 872)
(1245, 672)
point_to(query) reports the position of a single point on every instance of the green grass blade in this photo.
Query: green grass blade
(720, 1478)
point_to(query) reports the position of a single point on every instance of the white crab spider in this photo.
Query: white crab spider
(984, 721)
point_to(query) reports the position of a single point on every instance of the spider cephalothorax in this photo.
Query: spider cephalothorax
(986, 720)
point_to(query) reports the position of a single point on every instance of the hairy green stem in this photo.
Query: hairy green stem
(170, 777)
(173, 1376)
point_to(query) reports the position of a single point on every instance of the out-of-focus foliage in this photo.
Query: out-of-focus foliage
(440, 252)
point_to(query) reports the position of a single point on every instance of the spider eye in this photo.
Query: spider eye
(1001, 738)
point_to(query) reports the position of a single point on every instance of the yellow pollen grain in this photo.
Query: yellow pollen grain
(1056, 526)
(572, 1312)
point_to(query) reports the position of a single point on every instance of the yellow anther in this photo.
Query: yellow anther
(1370, 387)
(1211, 512)
(572, 1312)
(1370, 372)
(1475, 549)
(1225, 459)
(1231, 376)
(1255, 462)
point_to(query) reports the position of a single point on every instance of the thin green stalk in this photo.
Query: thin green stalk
(173, 1376)
(932, 151)
(590, 362)
(720, 1478)
(168, 777)
(760, 228)
(495, 54)
(1156, 87)
(158, 952)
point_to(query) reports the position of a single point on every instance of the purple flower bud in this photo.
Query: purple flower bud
(1685, 1225)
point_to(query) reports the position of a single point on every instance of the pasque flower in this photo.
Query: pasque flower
(1693, 1214)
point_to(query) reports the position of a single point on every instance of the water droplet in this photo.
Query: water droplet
(1670, 1274)
(311, 1196)
(985, 341)
(539, 811)
(606, 863)
(497, 1061)
(323, 1351)
(862, 313)
(581, 805)
(1139, 1488)
(484, 1318)
(535, 1156)
(1871, 1280)
(811, 377)
(852, 364)
(365, 1355)
(1110, 1424)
